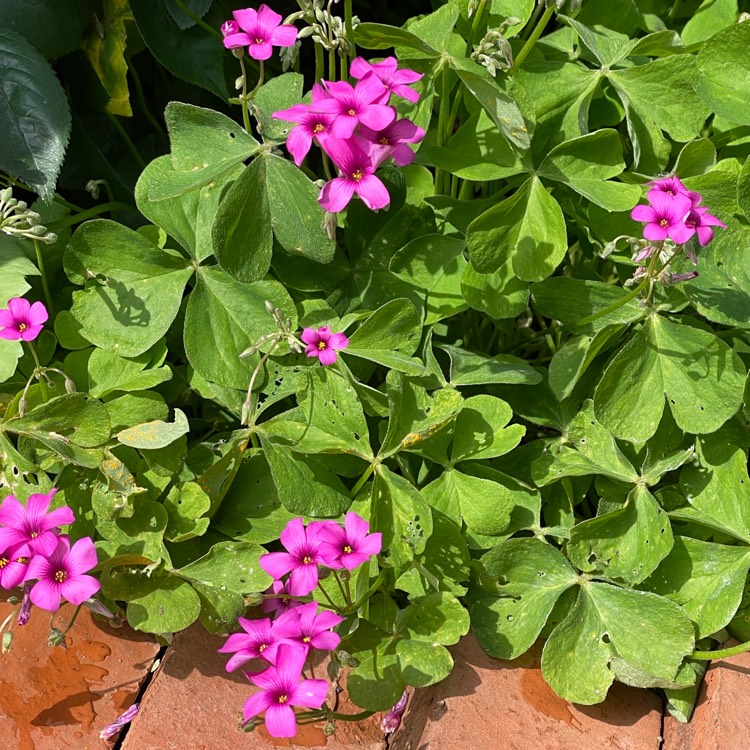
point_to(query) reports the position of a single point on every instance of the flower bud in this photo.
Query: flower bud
(229, 27)
(7, 641)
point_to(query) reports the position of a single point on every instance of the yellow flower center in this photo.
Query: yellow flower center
(358, 175)
(664, 223)
(384, 141)
(306, 639)
(306, 560)
(259, 40)
(262, 647)
(348, 550)
(34, 534)
(22, 327)
(351, 112)
(60, 576)
(3, 562)
(283, 699)
(22, 560)
(321, 345)
(319, 128)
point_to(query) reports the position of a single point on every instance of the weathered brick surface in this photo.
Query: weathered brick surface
(488, 704)
(59, 698)
(722, 714)
(194, 704)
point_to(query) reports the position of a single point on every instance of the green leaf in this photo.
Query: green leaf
(608, 46)
(528, 229)
(134, 288)
(483, 505)
(434, 263)
(716, 489)
(422, 664)
(711, 17)
(525, 578)
(414, 414)
(402, 515)
(223, 318)
(501, 108)
(700, 375)
(185, 505)
(281, 92)
(162, 604)
(470, 368)
(242, 236)
(696, 158)
(707, 580)
(382, 36)
(10, 353)
(500, 294)
(156, 434)
(480, 431)
(34, 116)
(650, 632)
(586, 163)
(395, 326)
(296, 215)
(627, 543)
(136, 408)
(190, 54)
(436, 618)
(229, 565)
(304, 485)
(572, 300)
(723, 80)
(375, 683)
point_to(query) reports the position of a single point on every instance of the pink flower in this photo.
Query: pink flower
(312, 125)
(230, 27)
(700, 221)
(352, 105)
(302, 557)
(665, 217)
(61, 575)
(351, 546)
(13, 565)
(673, 186)
(387, 71)
(22, 320)
(260, 640)
(124, 718)
(392, 140)
(281, 688)
(356, 175)
(392, 720)
(32, 525)
(309, 628)
(323, 344)
(280, 604)
(261, 32)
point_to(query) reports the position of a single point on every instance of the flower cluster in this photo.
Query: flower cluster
(674, 216)
(358, 128)
(32, 551)
(284, 642)
(22, 320)
(259, 30)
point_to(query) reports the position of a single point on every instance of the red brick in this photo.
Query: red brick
(722, 714)
(194, 704)
(489, 704)
(54, 698)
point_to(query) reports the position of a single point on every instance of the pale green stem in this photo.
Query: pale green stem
(532, 40)
(45, 285)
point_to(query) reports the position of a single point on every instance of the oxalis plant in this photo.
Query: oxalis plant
(384, 333)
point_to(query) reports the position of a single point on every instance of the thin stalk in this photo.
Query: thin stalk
(39, 371)
(261, 78)
(443, 115)
(341, 588)
(331, 49)
(142, 100)
(475, 26)
(320, 63)
(532, 40)
(89, 213)
(126, 140)
(723, 653)
(349, 27)
(72, 622)
(247, 407)
(245, 112)
(189, 13)
(45, 285)
(365, 597)
(328, 598)
(361, 481)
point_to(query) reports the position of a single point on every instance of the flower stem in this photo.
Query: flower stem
(45, 285)
(245, 112)
(723, 653)
(38, 371)
(358, 604)
(347, 598)
(72, 621)
(247, 407)
(328, 598)
(442, 127)
(320, 72)
(89, 213)
(349, 29)
(532, 40)
(475, 26)
(126, 140)
(361, 481)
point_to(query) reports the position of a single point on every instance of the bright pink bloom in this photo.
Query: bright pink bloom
(392, 720)
(281, 688)
(700, 221)
(391, 141)
(387, 71)
(356, 175)
(259, 641)
(32, 525)
(281, 603)
(323, 344)
(260, 33)
(62, 574)
(13, 565)
(665, 217)
(124, 718)
(673, 186)
(302, 557)
(230, 27)
(351, 105)
(22, 320)
(309, 628)
(312, 125)
(352, 545)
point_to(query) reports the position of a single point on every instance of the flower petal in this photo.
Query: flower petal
(235, 41)
(359, 67)
(377, 116)
(19, 307)
(256, 703)
(260, 51)
(310, 693)
(82, 556)
(338, 341)
(304, 578)
(79, 588)
(290, 660)
(298, 143)
(643, 213)
(38, 314)
(281, 720)
(326, 641)
(327, 356)
(336, 194)
(247, 19)
(284, 36)
(277, 564)
(45, 595)
(373, 192)
(268, 20)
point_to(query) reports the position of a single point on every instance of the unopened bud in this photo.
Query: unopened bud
(7, 641)
(56, 638)
(253, 600)
(329, 729)
(229, 27)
